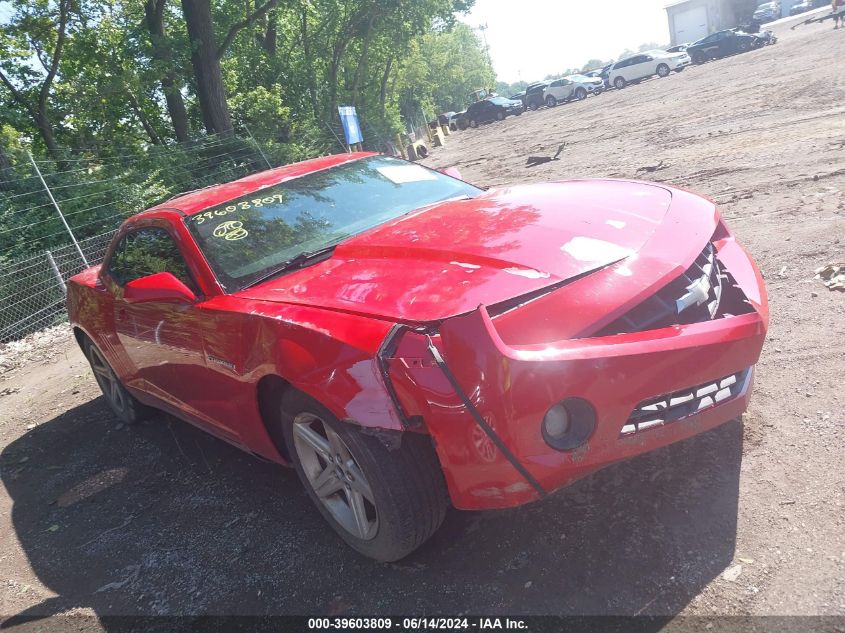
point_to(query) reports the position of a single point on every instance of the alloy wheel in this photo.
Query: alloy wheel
(335, 476)
(108, 381)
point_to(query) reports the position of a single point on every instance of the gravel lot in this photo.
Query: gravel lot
(747, 519)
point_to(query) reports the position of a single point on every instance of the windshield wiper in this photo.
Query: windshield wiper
(301, 260)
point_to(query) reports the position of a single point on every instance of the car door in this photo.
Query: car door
(161, 340)
(642, 67)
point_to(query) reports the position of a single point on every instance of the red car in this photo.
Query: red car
(407, 340)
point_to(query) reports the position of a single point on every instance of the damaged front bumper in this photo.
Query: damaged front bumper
(483, 401)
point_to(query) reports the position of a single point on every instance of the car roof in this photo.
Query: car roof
(200, 199)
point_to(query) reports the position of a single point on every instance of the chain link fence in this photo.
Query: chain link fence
(58, 216)
(33, 289)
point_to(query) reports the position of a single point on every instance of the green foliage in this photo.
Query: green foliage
(107, 106)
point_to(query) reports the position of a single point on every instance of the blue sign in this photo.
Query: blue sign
(349, 119)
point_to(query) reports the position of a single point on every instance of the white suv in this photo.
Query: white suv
(645, 65)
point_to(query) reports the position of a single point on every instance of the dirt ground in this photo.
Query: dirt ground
(747, 519)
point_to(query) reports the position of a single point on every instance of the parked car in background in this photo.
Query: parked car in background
(721, 44)
(644, 65)
(519, 96)
(601, 73)
(767, 12)
(492, 109)
(445, 117)
(570, 88)
(458, 121)
(534, 97)
(593, 85)
(801, 7)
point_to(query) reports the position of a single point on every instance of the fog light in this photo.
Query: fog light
(556, 422)
(568, 424)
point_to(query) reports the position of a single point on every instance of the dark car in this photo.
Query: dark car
(492, 109)
(721, 44)
(533, 98)
(768, 11)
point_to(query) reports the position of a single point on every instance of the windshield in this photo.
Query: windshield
(578, 78)
(500, 101)
(249, 237)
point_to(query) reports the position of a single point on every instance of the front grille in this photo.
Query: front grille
(690, 298)
(680, 404)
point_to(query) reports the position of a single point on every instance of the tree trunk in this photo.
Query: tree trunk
(362, 62)
(211, 91)
(309, 64)
(154, 11)
(145, 122)
(45, 127)
(382, 96)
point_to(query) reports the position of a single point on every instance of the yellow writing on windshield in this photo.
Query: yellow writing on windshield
(243, 205)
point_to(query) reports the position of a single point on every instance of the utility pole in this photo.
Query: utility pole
(483, 28)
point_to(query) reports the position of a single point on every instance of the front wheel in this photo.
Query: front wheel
(533, 105)
(698, 58)
(619, 83)
(383, 493)
(663, 70)
(581, 94)
(473, 123)
(500, 116)
(551, 102)
(125, 406)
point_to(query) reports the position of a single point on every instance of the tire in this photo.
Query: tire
(663, 70)
(462, 125)
(742, 47)
(580, 94)
(619, 83)
(533, 105)
(473, 123)
(698, 58)
(551, 102)
(399, 493)
(125, 406)
(500, 116)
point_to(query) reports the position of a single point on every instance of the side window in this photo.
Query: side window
(146, 252)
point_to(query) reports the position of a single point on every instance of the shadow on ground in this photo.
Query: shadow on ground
(164, 519)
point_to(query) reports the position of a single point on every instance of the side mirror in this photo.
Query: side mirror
(451, 171)
(163, 287)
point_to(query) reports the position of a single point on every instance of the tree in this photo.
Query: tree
(161, 53)
(205, 59)
(39, 30)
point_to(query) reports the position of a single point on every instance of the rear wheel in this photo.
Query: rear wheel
(662, 70)
(473, 123)
(126, 407)
(698, 58)
(533, 104)
(383, 494)
(551, 102)
(580, 94)
(619, 83)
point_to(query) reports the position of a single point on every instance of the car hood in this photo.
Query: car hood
(447, 259)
